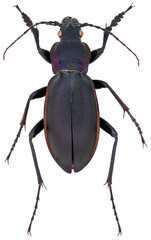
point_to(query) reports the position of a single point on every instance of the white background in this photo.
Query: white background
(76, 206)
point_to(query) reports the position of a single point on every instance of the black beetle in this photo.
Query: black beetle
(71, 115)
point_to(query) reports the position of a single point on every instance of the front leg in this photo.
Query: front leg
(101, 84)
(44, 53)
(95, 54)
(98, 52)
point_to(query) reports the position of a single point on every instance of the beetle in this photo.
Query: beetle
(71, 120)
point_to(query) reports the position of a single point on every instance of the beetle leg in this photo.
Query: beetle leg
(98, 52)
(101, 84)
(36, 130)
(44, 53)
(37, 94)
(110, 130)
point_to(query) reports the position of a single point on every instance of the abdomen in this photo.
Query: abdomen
(71, 120)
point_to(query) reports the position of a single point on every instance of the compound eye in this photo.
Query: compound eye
(59, 33)
(80, 32)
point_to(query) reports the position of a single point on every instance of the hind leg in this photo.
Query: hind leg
(33, 133)
(110, 130)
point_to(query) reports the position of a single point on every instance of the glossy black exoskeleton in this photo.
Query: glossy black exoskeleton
(71, 115)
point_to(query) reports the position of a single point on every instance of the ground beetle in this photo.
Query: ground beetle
(71, 116)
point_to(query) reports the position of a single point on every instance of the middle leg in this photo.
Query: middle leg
(101, 84)
(36, 94)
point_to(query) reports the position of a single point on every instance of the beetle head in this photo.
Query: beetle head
(70, 29)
